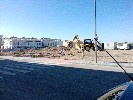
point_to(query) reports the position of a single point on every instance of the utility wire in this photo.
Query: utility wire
(115, 60)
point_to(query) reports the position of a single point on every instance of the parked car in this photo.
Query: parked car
(123, 46)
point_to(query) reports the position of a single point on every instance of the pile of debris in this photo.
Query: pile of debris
(73, 54)
(49, 52)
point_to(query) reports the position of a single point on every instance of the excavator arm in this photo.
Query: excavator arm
(71, 43)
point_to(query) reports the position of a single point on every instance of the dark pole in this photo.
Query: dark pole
(95, 33)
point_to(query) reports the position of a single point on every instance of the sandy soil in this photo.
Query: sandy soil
(74, 54)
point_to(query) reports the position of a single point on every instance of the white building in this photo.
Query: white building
(110, 45)
(24, 43)
(47, 42)
(59, 42)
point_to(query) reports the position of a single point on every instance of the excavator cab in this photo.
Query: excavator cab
(88, 44)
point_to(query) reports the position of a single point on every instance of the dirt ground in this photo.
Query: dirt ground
(73, 54)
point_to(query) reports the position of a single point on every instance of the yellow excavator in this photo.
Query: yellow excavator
(87, 44)
(79, 43)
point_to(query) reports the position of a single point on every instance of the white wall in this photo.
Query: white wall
(110, 45)
(59, 43)
(6, 43)
(47, 42)
(14, 43)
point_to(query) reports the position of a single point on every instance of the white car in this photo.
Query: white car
(123, 46)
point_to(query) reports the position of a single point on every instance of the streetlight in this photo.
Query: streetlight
(95, 33)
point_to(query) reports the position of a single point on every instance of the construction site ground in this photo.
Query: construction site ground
(73, 55)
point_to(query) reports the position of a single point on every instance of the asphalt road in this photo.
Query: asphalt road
(31, 81)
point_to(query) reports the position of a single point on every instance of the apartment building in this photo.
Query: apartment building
(47, 42)
(24, 43)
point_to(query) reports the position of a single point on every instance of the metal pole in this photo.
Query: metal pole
(95, 33)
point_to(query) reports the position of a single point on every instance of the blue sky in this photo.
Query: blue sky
(64, 19)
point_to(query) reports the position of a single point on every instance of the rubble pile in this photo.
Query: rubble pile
(49, 52)
(73, 54)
